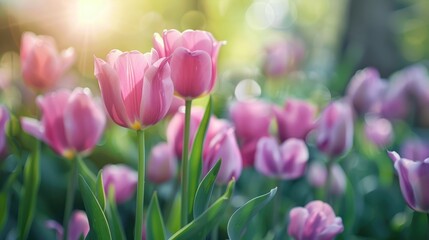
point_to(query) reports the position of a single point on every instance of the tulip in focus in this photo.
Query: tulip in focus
(72, 122)
(4, 118)
(315, 221)
(317, 175)
(78, 226)
(296, 119)
(193, 60)
(162, 165)
(122, 178)
(42, 65)
(335, 129)
(414, 180)
(283, 57)
(137, 89)
(287, 161)
(378, 130)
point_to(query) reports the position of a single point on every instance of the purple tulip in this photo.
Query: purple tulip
(286, 161)
(78, 226)
(335, 129)
(414, 180)
(296, 119)
(316, 221)
(72, 122)
(4, 118)
(317, 175)
(366, 89)
(162, 165)
(248, 151)
(415, 148)
(378, 130)
(122, 178)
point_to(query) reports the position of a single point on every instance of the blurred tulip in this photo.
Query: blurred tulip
(335, 129)
(122, 178)
(137, 89)
(366, 89)
(413, 178)
(283, 57)
(42, 65)
(316, 220)
(317, 174)
(71, 122)
(296, 119)
(78, 226)
(176, 104)
(415, 148)
(378, 130)
(248, 151)
(251, 119)
(193, 60)
(287, 161)
(162, 165)
(4, 118)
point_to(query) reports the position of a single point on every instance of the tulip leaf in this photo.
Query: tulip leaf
(155, 229)
(86, 173)
(4, 200)
(97, 219)
(209, 219)
(173, 222)
(27, 204)
(205, 190)
(240, 218)
(99, 190)
(113, 216)
(195, 160)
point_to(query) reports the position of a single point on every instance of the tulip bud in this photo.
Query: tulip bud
(335, 129)
(78, 226)
(378, 130)
(316, 220)
(4, 118)
(122, 178)
(317, 175)
(287, 161)
(162, 165)
(42, 65)
(295, 120)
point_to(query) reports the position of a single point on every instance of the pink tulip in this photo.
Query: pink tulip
(251, 119)
(162, 165)
(335, 129)
(4, 118)
(137, 89)
(42, 65)
(122, 178)
(248, 151)
(366, 89)
(317, 175)
(72, 122)
(78, 226)
(283, 57)
(296, 119)
(193, 60)
(316, 221)
(286, 161)
(378, 130)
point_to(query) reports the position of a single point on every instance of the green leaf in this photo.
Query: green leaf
(202, 225)
(3, 208)
(173, 222)
(195, 160)
(28, 199)
(97, 219)
(86, 173)
(155, 229)
(113, 216)
(205, 190)
(99, 190)
(238, 222)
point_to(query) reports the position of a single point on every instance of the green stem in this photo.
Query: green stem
(71, 189)
(140, 186)
(185, 167)
(327, 187)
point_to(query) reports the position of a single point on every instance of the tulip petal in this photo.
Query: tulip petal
(172, 39)
(196, 40)
(267, 156)
(297, 218)
(33, 127)
(295, 155)
(78, 225)
(123, 179)
(68, 56)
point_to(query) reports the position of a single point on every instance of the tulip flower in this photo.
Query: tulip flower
(193, 60)
(4, 118)
(335, 129)
(366, 89)
(413, 178)
(283, 57)
(295, 120)
(415, 148)
(316, 220)
(378, 130)
(78, 226)
(248, 151)
(72, 122)
(286, 161)
(162, 165)
(41, 63)
(122, 178)
(317, 176)
(251, 119)
(137, 89)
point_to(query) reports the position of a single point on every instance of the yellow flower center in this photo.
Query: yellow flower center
(69, 154)
(136, 125)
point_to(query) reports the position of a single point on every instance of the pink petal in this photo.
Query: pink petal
(267, 156)
(33, 127)
(197, 40)
(78, 225)
(294, 158)
(68, 57)
(297, 218)
(123, 179)
(172, 40)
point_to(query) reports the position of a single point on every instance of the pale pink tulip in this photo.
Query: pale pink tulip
(78, 226)
(162, 165)
(283, 57)
(122, 178)
(137, 89)
(378, 130)
(317, 177)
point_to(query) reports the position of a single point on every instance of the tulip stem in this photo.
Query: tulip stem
(140, 186)
(327, 187)
(185, 167)
(70, 195)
